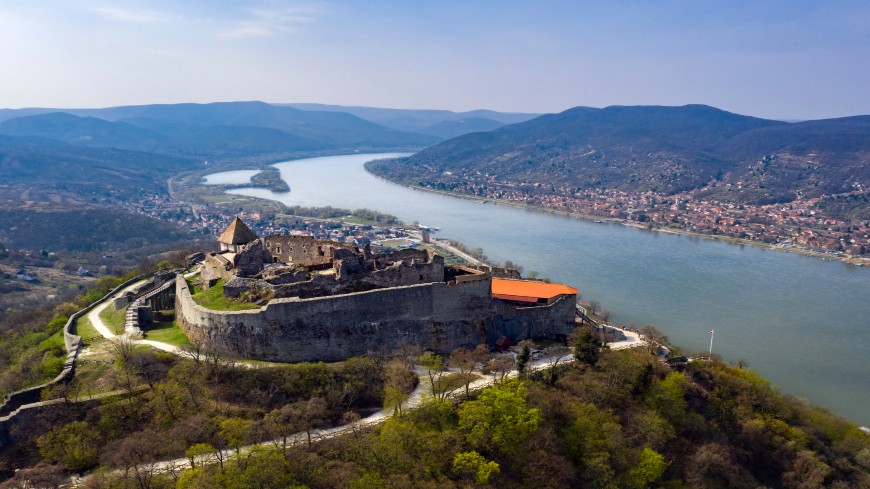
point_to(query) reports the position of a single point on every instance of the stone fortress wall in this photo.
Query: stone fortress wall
(438, 316)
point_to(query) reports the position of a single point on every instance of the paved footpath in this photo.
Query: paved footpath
(99, 325)
(94, 315)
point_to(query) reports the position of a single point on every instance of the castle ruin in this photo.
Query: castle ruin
(326, 300)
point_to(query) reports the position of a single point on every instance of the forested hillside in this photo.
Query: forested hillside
(621, 419)
(82, 228)
(660, 149)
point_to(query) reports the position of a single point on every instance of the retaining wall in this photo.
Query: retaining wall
(72, 342)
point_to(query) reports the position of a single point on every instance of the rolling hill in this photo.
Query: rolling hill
(49, 167)
(651, 148)
(86, 131)
(455, 128)
(246, 126)
(427, 121)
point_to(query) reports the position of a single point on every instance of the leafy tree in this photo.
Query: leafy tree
(472, 465)
(587, 348)
(263, 468)
(399, 445)
(368, 480)
(434, 366)
(197, 451)
(590, 439)
(668, 398)
(281, 424)
(644, 427)
(235, 431)
(76, 445)
(499, 418)
(523, 357)
(649, 469)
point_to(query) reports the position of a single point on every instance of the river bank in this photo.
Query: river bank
(849, 259)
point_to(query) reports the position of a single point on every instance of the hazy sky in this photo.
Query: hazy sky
(771, 58)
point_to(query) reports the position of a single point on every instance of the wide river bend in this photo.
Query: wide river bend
(802, 322)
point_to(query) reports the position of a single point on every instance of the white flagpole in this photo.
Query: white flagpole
(711, 340)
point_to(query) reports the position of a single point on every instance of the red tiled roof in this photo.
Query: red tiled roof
(528, 291)
(518, 298)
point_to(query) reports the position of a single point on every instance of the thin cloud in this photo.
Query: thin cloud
(132, 15)
(269, 23)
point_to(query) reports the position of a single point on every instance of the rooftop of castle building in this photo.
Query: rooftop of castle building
(528, 290)
(237, 233)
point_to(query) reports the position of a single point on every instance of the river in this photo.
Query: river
(802, 322)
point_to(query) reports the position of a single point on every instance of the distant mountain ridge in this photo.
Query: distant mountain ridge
(654, 148)
(330, 126)
(283, 125)
(441, 123)
(110, 152)
(85, 131)
(107, 147)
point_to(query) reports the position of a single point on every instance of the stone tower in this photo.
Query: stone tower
(235, 235)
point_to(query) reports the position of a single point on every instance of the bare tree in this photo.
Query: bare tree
(409, 354)
(594, 307)
(466, 361)
(553, 355)
(147, 366)
(195, 350)
(499, 366)
(41, 475)
(312, 415)
(398, 382)
(740, 363)
(135, 456)
(121, 348)
(653, 337)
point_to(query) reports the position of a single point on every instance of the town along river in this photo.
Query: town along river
(802, 322)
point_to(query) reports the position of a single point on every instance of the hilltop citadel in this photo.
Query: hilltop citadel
(326, 300)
